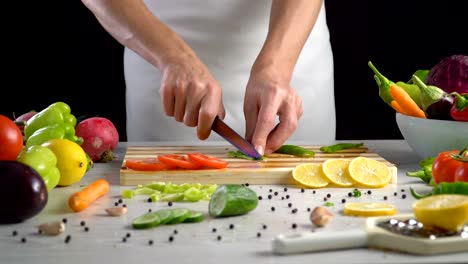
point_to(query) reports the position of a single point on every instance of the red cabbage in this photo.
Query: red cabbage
(450, 74)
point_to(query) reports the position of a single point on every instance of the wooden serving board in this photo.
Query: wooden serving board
(275, 169)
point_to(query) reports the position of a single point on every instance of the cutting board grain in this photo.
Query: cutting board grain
(276, 169)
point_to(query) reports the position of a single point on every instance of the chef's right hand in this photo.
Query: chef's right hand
(191, 94)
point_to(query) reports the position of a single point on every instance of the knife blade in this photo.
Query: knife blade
(234, 138)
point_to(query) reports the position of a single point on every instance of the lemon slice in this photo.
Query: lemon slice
(310, 175)
(336, 170)
(447, 211)
(369, 172)
(369, 209)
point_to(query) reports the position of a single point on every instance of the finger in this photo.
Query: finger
(281, 133)
(250, 115)
(167, 98)
(180, 102)
(299, 109)
(208, 110)
(265, 124)
(194, 96)
(222, 111)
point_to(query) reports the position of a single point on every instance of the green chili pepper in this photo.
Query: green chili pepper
(55, 131)
(295, 151)
(56, 113)
(444, 188)
(384, 86)
(425, 173)
(44, 161)
(239, 155)
(340, 146)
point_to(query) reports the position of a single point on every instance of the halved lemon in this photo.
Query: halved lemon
(310, 175)
(369, 172)
(447, 211)
(336, 170)
(369, 209)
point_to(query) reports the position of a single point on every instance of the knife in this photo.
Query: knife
(235, 139)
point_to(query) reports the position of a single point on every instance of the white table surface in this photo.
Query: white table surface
(196, 242)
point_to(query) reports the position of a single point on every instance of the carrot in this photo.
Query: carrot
(406, 103)
(394, 104)
(85, 197)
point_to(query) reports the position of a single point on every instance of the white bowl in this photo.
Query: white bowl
(429, 137)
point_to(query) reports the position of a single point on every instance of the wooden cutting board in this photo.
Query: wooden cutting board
(276, 169)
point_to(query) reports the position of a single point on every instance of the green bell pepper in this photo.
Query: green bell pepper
(55, 131)
(56, 113)
(44, 161)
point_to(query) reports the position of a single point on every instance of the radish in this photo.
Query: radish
(100, 138)
(22, 119)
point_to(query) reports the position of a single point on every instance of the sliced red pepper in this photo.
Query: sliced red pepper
(459, 110)
(208, 160)
(181, 161)
(147, 165)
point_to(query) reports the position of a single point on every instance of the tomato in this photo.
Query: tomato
(450, 166)
(180, 161)
(208, 161)
(11, 139)
(147, 165)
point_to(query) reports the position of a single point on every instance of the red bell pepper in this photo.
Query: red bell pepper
(459, 110)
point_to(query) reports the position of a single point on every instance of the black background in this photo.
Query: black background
(61, 53)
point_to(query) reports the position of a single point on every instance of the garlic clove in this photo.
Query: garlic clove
(116, 211)
(53, 228)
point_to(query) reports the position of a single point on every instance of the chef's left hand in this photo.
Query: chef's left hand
(267, 96)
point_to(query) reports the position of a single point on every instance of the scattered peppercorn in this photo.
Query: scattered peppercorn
(67, 239)
(308, 209)
(214, 230)
(403, 196)
(169, 203)
(86, 229)
(176, 232)
(294, 211)
(269, 196)
(287, 196)
(64, 220)
(128, 235)
(395, 194)
(369, 192)
(402, 190)
(272, 208)
(82, 223)
(289, 205)
(259, 234)
(247, 184)
(313, 191)
(264, 226)
(149, 210)
(149, 200)
(260, 197)
(271, 190)
(231, 226)
(285, 189)
(343, 200)
(276, 193)
(294, 225)
(150, 242)
(171, 238)
(325, 199)
(23, 240)
(219, 238)
(302, 190)
(124, 205)
(385, 198)
(124, 239)
(116, 204)
(328, 195)
(14, 233)
(350, 194)
(282, 198)
(120, 201)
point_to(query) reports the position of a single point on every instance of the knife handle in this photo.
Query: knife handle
(309, 241)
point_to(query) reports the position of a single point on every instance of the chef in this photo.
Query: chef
(264, 66)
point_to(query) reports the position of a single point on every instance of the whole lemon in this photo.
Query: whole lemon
(71, 160)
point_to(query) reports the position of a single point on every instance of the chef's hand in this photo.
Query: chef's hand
(267, 96)
(191, 94)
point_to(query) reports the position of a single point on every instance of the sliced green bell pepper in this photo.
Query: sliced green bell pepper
(56, 113)
(44, 161)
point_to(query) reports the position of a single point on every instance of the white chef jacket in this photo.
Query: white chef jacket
(227, 36)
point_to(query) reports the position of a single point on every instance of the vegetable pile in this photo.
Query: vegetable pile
(439, 93)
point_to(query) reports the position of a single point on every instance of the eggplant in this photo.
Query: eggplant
(436, 103)
(24, 192)
(441, 108)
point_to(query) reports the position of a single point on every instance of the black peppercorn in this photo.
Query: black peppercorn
(214, 230)
(259, 234)
(403, 196)
(264, 226)
(269, 196)
(219, 238)
(328, 195)
(231, 226)
(287, 196)
(369, 192)
(350, 194)
(149, 200)
(23, 240)
(276, 193)
(176, 232)
(64, 220)
(116, 204)
(169, 203)
(120, 201)
(260, 197)
(308, 209)
(67, 239)
(325, 199)
(402, 190)
(294, 211)
(395, 194)
(150, 242)
(14, 233)
(294, 226)
(272, 208)
(385, 197)
(343, 200)
(128, 235)
(282, 198)
(302, 190)
(313, 191)
(86, 229)
(82, 223)
(271, 190)
(124, 205)
(149, 210)
(285, 189)
(124, 239)
(247, 184)
(289, 205)
(171, 238)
